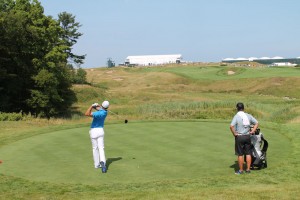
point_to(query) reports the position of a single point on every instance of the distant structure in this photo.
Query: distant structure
(274, 61)
(149, 60)
(110, 63)
(283, 64)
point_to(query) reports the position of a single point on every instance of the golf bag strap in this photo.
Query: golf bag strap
(266, 144)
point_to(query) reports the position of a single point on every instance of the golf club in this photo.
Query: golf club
(126, 121)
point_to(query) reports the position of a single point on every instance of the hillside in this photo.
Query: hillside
(193, 91)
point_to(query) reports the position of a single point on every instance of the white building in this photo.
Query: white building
(283, 64)
(148, 60)
(250, 59)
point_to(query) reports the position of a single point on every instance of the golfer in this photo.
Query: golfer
(97, 133)
(240, 128)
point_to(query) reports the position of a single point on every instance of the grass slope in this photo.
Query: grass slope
(264, 90)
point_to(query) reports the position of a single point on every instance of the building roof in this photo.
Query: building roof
(155, 56)
(252, 58)
(229, 59)
(277, 57)
(146, 60)
(242, 59)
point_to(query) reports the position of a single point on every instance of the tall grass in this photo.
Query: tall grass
(215, 110)
(284, 115)
(186, 110)
(86, 93)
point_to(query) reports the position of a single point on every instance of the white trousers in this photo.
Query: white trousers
(97, 138)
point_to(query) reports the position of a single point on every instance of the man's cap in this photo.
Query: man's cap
(105, 104)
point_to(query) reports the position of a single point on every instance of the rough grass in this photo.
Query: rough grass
(265, 90)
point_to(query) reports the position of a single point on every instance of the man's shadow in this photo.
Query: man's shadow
(235, 166)
(111, 160)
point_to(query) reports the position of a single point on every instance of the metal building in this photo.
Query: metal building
(149, 60)
(267, 60)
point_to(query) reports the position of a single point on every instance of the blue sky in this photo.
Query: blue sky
(200, 30)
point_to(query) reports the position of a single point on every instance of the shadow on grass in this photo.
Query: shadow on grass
(111, 160)
(235, 166)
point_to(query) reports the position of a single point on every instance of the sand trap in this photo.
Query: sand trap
(118, 79)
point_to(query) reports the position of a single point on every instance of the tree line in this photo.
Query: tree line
(37, 64)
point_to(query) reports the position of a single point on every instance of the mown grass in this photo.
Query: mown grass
(179, 93)
(182, 189)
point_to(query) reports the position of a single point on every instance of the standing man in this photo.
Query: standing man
(240, 128)
(97, 133)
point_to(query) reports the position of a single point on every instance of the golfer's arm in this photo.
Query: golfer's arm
(89, 112)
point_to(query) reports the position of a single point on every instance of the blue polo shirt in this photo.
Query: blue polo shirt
(98, 118)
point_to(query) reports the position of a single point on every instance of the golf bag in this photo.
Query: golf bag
(259, 150)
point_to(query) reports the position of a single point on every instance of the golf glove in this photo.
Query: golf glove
(94, 105)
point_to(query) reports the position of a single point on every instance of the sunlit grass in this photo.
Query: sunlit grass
(177, 93)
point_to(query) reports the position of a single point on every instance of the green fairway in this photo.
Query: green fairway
(221, 73)
(137, 152)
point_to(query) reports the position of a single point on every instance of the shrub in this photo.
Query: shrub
(15, 116)
(11, 116)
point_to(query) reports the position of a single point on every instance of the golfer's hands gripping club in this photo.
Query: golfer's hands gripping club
(94, 105)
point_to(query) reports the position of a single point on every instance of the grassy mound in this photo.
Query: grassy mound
(199, 92)
(136, 153)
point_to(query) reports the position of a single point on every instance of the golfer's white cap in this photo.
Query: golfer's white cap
(105, 104)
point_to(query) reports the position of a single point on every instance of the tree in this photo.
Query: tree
(80, 76)
(20, 41)
(70, 35)
(33, 60)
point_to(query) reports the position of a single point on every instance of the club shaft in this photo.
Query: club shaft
(126, 121)
(113, 113)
